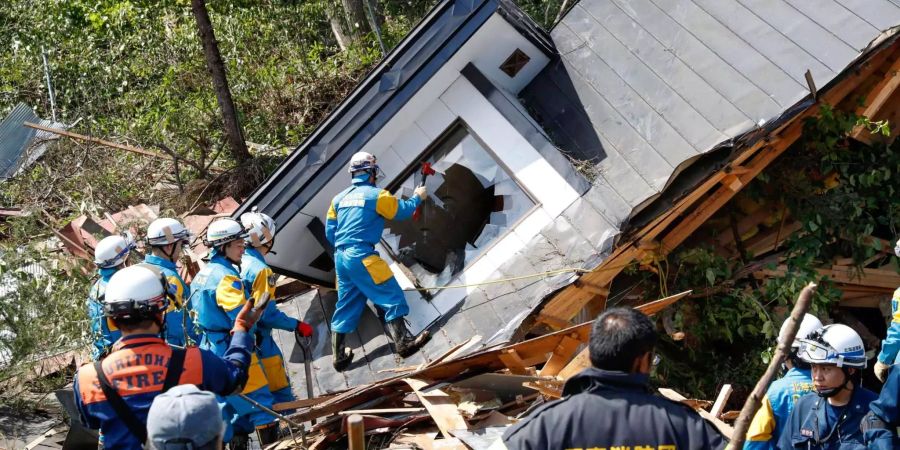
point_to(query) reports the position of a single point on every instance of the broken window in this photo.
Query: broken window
(472, 201)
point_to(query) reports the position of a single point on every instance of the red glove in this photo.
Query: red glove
(305, 329)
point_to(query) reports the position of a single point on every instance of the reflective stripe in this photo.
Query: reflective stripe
(275, 373)
(256, 376)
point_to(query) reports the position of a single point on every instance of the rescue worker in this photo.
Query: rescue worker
(610, 405)
(881, 426)
(166, 239)
(830, 417)
(218, 297)
(115, 395)
(354, 224)
(777, 404)
(110, 255)
(890, 346)
(260, 281)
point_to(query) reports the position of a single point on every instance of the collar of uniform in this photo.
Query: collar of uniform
(219, 258)
(107, 273)
(252, 252)
(796, 372)
(593, 378)
(162, 262)
(137, 340)
(362, 180)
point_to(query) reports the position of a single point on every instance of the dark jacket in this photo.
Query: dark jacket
(807, 428)
(604, 409)
(880, 426)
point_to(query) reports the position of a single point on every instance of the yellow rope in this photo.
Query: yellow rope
(523, 277)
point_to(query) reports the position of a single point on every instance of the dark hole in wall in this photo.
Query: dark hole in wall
(438, 239)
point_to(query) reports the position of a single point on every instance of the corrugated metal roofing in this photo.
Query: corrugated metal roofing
(655, 83)
(19, 145)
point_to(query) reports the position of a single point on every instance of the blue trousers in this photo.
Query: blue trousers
(273, 363)
(361, 275)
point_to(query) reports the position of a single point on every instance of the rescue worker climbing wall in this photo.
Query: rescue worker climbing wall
(783, 393)
(218, 297)
(830, 417)
(110, 255)
(166, 239)
(354, 224)
(890, 346)
(115, 395)
(260, 281)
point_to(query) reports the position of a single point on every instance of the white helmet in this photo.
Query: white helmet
(897, 248)
(223, 231)
(113, 250)
(165, 231)
(362, 161)
(260, 227)
(835, 344)
(809, 324)
(138, 292)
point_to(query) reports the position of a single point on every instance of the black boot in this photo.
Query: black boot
(239, 442)
(267, 434)
(341, 355)
(406, 343)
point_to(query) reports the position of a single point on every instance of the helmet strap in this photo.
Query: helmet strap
(831, 392)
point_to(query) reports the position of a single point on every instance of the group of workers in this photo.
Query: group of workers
(152, 331)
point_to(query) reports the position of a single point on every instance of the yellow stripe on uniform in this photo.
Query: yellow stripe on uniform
(256, 376)
(275, 373)
(332, 214)
(763, 424)
(261, 285)
(179, 293)
(230, 293)
(386, 205)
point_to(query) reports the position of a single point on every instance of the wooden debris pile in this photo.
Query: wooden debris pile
(459, 400)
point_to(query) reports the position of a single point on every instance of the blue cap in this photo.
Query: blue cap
(184, 418)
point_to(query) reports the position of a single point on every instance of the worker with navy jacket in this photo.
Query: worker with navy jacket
(260, 282)
(830, 418)
(881, 426)
(611, 405)
(115, 395)
(110, 256)
(783, 393)
(354, 224)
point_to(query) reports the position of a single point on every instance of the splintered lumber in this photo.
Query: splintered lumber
(708, 197)
(440, 406)
(580, 362)
(304, 403)
(723, 427)
(755, 399)
(561, 356)
(878, 96)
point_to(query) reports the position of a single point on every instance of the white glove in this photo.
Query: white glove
(881, 370)
(422, 192)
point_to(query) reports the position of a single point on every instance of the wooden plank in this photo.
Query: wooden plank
(719, 406)
(440, 406)
(381, 411)
(548, 388)
(561, 356)
(553, 322)
(581, 361)
(513, 361)
(880, 93)
(304, 403)
(723, 427)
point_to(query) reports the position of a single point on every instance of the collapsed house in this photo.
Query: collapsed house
(561, 157)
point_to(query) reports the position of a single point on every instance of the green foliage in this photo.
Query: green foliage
(842, 192)
(42, 309)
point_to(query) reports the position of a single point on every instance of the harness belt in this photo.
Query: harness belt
(134, 425)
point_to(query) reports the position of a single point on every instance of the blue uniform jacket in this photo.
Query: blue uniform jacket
(807, 428)
(356, 215)
(776, 408)
(886, 409)
(218, 297)
(604, 409)
(137, 369)
(890, 347)
(179, 323)
(258, 278)
(103, 332)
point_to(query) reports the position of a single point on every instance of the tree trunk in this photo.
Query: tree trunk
(355, 12)
(233, 133)
(338, 28)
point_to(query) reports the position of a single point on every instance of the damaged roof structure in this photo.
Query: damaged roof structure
(562, 157)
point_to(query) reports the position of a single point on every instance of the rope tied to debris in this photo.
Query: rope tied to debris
(576, 270)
